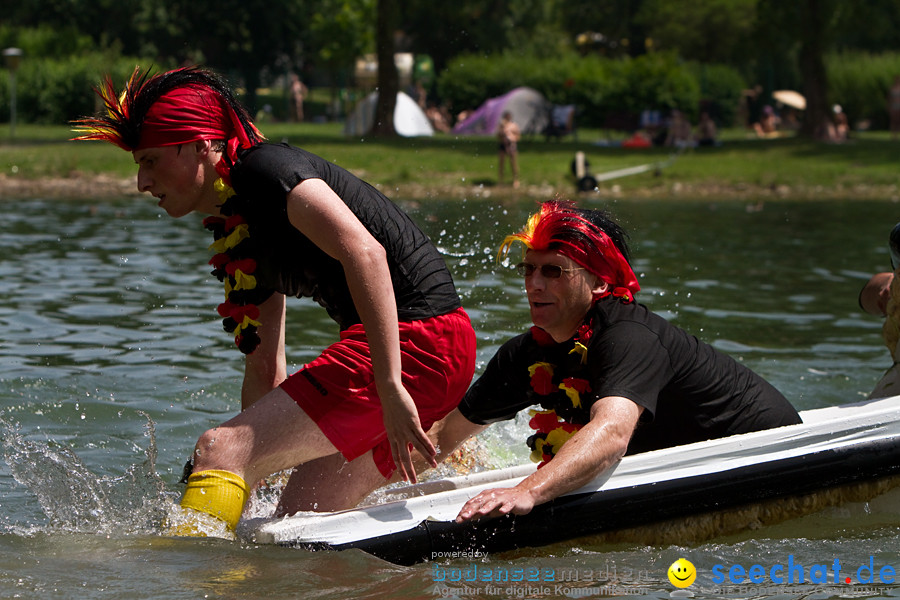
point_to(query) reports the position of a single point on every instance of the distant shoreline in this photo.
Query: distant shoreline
(100, 187)
(106, 187)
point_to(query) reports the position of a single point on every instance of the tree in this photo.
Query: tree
(109, 23)
(814, 39)
(615, 20)
(444, 30)
(871, 26)
(340, 32)
(713, 31)
(245, 37)
(772, 42)
(809, 26)
(388, 80)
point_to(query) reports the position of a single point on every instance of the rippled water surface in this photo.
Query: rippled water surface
(113, 360)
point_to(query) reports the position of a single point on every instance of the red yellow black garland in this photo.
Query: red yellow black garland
(552, 431)
(240, 314)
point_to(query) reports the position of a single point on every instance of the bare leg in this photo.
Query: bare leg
(514, 166)
(330, 483)
(500, 161)
(271, 435)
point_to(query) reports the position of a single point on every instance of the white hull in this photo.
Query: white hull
(833, 446)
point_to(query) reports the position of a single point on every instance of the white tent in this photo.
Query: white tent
(409, 120)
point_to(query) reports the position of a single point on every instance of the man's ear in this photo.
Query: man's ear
(203, 147)
(599, 287)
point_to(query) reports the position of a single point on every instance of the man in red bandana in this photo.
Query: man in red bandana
(286, 222)
(611, 377)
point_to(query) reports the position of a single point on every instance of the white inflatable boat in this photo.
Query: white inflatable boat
(833, 447)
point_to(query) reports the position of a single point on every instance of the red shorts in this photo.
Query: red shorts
(337, 389)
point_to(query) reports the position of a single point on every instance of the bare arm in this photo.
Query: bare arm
(451, 431)
(266, 368)
(315, 210)
(595, 448)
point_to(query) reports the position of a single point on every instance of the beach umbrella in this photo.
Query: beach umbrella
(790, 98)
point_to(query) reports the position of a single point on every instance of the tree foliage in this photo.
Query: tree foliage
(388, 78)
(615, 20)
(243, 38)
(712, 31)
(447, 29)
(340, 32)
(769, 42)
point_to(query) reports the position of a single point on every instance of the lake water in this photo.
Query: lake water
(112, 361)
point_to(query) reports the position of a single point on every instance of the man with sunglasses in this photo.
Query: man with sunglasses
(611, 377)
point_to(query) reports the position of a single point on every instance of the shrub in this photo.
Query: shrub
(720, 91)
(56, 91)
(859, 82)
(607, 92)
(652, 82)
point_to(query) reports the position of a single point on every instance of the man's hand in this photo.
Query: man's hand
(496, 503)
(594, 448)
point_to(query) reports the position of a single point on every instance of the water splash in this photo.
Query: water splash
(76, 500)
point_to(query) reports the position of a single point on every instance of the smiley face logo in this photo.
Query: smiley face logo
(682, 573)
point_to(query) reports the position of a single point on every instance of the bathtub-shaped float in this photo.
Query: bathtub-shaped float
(842, 452)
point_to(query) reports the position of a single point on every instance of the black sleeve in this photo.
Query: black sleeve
(502, 390)
(273, 169)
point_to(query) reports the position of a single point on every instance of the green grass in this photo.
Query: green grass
(867, 164)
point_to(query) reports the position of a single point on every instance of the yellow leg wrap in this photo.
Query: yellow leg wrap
(218, 493)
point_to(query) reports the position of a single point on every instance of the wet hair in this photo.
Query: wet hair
(605, 222)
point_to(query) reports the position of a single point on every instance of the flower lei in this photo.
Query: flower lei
(235, 270)
(552, 431)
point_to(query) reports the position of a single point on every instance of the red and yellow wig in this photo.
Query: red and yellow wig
(168, 109)
(561, 227)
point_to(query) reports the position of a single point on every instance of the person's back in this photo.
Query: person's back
(706, 130)
(690, 390)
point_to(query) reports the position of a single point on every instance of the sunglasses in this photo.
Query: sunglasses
(549, 271)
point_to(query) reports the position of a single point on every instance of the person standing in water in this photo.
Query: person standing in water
(285, 222)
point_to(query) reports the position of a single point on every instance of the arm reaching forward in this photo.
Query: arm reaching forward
(595, 448)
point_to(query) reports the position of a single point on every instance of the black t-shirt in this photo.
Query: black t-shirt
(689, 391)
(288, 262)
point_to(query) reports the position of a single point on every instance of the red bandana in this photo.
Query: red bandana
(185, 114)
(601, 257)
(188, 114)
